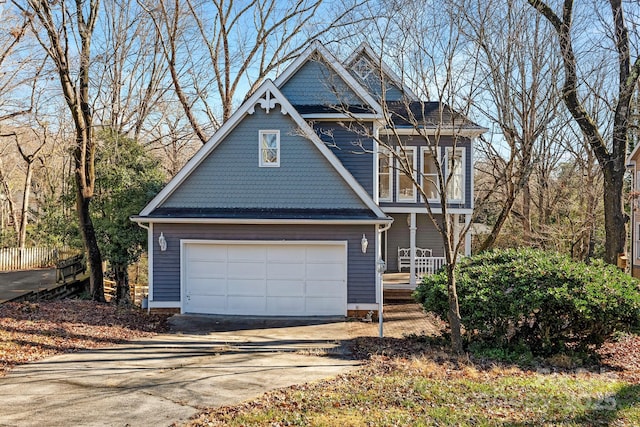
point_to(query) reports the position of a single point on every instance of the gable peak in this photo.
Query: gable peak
(268, 102)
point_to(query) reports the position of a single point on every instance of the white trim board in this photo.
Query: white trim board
(260, 221)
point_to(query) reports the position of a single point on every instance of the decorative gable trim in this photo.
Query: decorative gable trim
(317, 48)
(267, 95)
(267, 103)
(365, 50)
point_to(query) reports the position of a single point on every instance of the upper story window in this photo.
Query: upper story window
(384, 175)
(269, 148)
(430, 173)
(455, 174)
(406, 163)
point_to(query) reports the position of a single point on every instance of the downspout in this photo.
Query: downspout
(380, 268)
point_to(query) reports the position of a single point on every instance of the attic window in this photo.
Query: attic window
(362, 68)
(269, 148)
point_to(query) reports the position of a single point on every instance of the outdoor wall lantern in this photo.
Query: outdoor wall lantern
(162, 242)
(364, 243)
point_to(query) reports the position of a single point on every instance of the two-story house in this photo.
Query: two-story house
(294, 203)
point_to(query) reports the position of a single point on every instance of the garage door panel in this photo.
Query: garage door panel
(325, 253)
(289, 306)
(246, 287)
(207, 268)
(246, 305)
(295, 254)
(322, 306)
(285, 288)
(326, 271)
(246, 270)
(250, 253)
(321, 288)
(199, 286)
(285, 279)
(285, 270)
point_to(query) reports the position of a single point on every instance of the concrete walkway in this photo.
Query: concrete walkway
(16, 283)
(166, 379)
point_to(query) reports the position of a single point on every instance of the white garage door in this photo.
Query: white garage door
(265, 278)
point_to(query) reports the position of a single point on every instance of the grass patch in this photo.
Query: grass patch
(419, 391)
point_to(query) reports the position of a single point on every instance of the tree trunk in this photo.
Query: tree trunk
(488, 243)
(526, 214)
(614, 217)
(94, 259)
(122, 284)
(453, 315)
(22, 237)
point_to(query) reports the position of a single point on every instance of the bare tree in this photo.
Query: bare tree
(214, 47)
(577, 87)
(519, 94)
(65, 32)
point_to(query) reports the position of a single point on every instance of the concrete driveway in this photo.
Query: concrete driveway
(207, 361)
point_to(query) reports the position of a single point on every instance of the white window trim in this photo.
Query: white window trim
(381, 153)
(446, 175)
(408, 150)
(438, 154)
(366, 67)
(261, 163)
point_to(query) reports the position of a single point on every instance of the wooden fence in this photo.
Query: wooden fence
(136, 291)
(36, 257)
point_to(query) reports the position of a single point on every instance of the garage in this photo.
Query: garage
(288, 278)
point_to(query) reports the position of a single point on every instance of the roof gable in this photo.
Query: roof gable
(310, 176)
(322, 80)
(395, 89)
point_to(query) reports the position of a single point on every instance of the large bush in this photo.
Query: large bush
(542, 301)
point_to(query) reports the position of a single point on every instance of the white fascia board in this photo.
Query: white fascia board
(367, 50)
(261, 221)
(330, 60)
(447, 131)
(423, 210)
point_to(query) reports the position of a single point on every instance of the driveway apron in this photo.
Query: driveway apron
(208, 361)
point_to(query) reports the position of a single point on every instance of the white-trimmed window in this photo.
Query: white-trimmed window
(455, 174)
(406, 189)
(269, 148)
(384, 175)
(430, 173)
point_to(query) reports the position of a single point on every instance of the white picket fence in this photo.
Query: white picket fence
(27, 258)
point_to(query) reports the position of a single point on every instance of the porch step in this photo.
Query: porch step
(397, 295)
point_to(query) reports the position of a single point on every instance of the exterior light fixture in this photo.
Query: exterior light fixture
(364, 243)
(162, 242)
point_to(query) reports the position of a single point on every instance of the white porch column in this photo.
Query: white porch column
(455, 218)
(412, 245)
(467, 237)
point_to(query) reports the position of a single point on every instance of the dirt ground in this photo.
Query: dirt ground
(399, 320)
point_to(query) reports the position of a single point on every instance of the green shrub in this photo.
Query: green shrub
(543, 302)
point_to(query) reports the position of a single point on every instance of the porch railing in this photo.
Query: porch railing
(27, 258)
(429, 265)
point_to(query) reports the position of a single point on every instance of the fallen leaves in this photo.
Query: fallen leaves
(32, 331)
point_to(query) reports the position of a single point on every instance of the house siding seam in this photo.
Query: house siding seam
(354, 151)
(231, 178)
(361, 268)
(427, 237)
(316, 84)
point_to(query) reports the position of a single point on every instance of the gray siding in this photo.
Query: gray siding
(427, 237)
(443, 143)
(317, 84)
(231, 178)
(373, 84)
(352, 149)
(361, 267)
